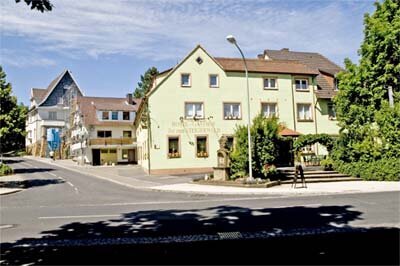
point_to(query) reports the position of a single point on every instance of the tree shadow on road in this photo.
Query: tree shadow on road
(215, 235)
(32, 170)
(29, 183)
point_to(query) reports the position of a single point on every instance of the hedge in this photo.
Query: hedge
(5, 169)
(382, 170)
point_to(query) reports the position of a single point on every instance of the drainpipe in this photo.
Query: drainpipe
(315, 112)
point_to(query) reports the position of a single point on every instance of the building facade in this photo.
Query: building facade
(49, 114)
(203, 98)
(102, 131)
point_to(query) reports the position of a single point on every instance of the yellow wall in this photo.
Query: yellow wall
(168, 100)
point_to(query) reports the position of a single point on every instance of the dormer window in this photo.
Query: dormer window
(105, 115)
(301, 84)
(114, 115)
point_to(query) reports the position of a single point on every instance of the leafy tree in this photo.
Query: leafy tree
(363, 88)
(12, 118)
(41, 5)
(265, 139)
(145, 83)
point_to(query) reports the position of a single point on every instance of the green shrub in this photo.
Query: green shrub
(5, 169)
(327, 164)
(381, 170)
(270, 171)
(265, 140)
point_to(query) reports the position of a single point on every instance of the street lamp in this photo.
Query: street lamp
(232, 40)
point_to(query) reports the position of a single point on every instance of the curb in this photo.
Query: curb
(10, 191)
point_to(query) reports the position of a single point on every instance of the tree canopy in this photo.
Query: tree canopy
(12, 118)
(40, 5)
(362, 102)
(145, 83)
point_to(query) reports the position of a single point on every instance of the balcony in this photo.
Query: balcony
(112, 141)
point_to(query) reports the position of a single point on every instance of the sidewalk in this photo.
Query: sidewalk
(10, 178)
(133, 176)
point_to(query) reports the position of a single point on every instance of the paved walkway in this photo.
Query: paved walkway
(10, 178)
(133, 176)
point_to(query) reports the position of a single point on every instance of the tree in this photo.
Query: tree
(41, 5)
(145, 83)
(363, 88)
(12, 118)
(265, 141)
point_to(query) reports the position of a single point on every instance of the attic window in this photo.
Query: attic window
(199, 60)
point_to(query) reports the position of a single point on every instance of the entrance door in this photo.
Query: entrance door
(131, 156)
(96, 156)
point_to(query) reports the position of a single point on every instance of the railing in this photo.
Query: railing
(313, 160)
(112, 141)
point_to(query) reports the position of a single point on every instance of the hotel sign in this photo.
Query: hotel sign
(194, 127)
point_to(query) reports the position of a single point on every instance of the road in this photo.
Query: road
(64, 212)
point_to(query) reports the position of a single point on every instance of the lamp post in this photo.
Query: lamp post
(232, 40)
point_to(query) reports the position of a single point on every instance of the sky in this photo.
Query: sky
(108, 44)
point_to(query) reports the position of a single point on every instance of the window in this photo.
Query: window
(232, 111)
(304, 112)
(185, 80)
(173, 147)
(105, 115)
(124, 154)
(214, 82)
(270, 83)
(126, 116)
(114, 115)
(335, 81)
(52, 115)
(229, 142)
(201, 147)
(269, 109)
(104, 134)
(127, 134)
(301, 84)
(194, 110)
(331, 111)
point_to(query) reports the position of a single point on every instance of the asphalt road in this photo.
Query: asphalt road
(70, 218)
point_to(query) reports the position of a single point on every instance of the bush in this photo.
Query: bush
(382, 170)
(5, 169)
(270, 171)
(265, 140)
(327, 164)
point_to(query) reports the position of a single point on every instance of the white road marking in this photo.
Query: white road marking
(53, 174)
(79, 216)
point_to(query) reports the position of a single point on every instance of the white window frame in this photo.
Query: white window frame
(217, 79)
(269, 104)
(300, 107)
(190, 80)
(231, 116)
(269, 83)
(302, 81)
(194, 110)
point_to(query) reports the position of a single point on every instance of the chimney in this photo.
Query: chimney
(129, 98)
(285, 49)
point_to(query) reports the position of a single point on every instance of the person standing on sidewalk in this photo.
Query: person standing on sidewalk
(52, 155)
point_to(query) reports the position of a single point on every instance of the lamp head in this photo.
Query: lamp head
(231, 39)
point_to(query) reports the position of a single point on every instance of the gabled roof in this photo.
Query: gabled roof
(323, 65)
(38, 94)
(287, 132)
(89, 105)
(265, 66)
(55, 82)
(313, 60)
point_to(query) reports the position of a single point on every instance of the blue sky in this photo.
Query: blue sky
(108, 44)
